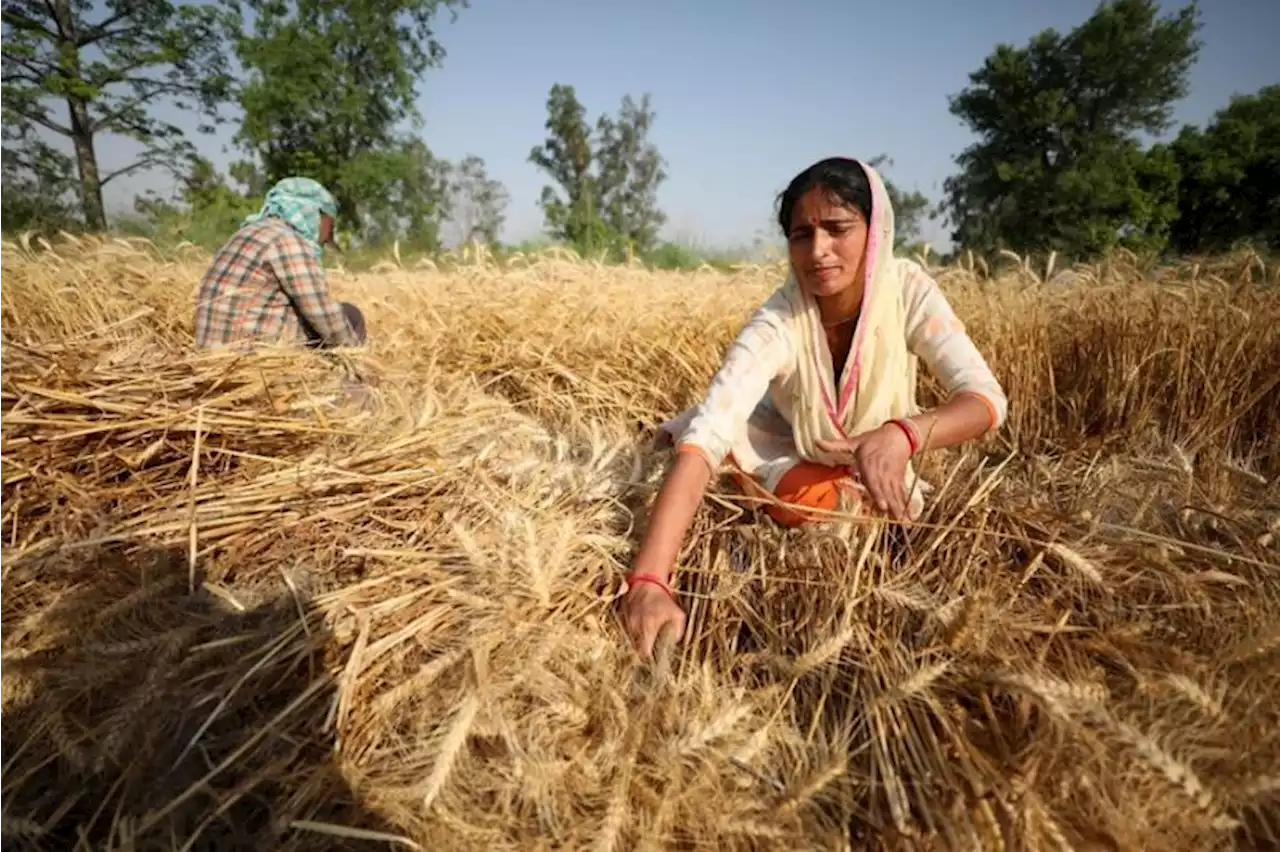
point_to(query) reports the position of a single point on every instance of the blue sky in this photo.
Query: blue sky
(748, 92)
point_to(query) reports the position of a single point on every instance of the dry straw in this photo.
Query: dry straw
(245, 610)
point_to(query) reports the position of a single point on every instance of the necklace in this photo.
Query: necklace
(839, 323)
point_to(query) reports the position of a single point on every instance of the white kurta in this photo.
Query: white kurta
(747, 411)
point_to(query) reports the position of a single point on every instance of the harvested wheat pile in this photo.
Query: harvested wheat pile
(241, 611)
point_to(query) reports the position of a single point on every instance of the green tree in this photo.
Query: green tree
(567, 157)
(201, 186)
(477, 202)
(1057, 164)
(608, 183)
(38, 182)
(330, 91)
(205, 209)
(630, 172)
(111, 64)
(1230, 176)
(403, 195)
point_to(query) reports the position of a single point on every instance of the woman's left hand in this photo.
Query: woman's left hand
(880, 457)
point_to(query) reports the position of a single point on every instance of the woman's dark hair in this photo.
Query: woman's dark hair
(842, 177)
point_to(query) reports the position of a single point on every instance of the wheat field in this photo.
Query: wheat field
(244, 610)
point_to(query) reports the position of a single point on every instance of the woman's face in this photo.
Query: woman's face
(827, 243)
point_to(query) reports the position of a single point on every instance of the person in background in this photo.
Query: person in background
(814, 407)
(268, 283)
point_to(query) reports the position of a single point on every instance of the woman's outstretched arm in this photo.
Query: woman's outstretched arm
(673, 510)
(758, 354)
(649, 608)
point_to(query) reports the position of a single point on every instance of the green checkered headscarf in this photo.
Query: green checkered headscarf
(299, 201)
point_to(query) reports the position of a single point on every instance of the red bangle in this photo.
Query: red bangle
(913, 440)
(633, 579)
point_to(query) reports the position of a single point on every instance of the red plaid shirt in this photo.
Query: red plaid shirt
(265, 284)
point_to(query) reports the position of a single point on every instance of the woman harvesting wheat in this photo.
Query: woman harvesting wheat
(268, 282)
(815, 400)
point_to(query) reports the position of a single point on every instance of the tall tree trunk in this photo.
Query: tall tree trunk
(81, 125)
(87, 162)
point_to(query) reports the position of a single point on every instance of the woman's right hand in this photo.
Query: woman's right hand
(647, 611)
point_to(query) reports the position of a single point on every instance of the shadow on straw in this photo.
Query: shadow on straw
(140, 716)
